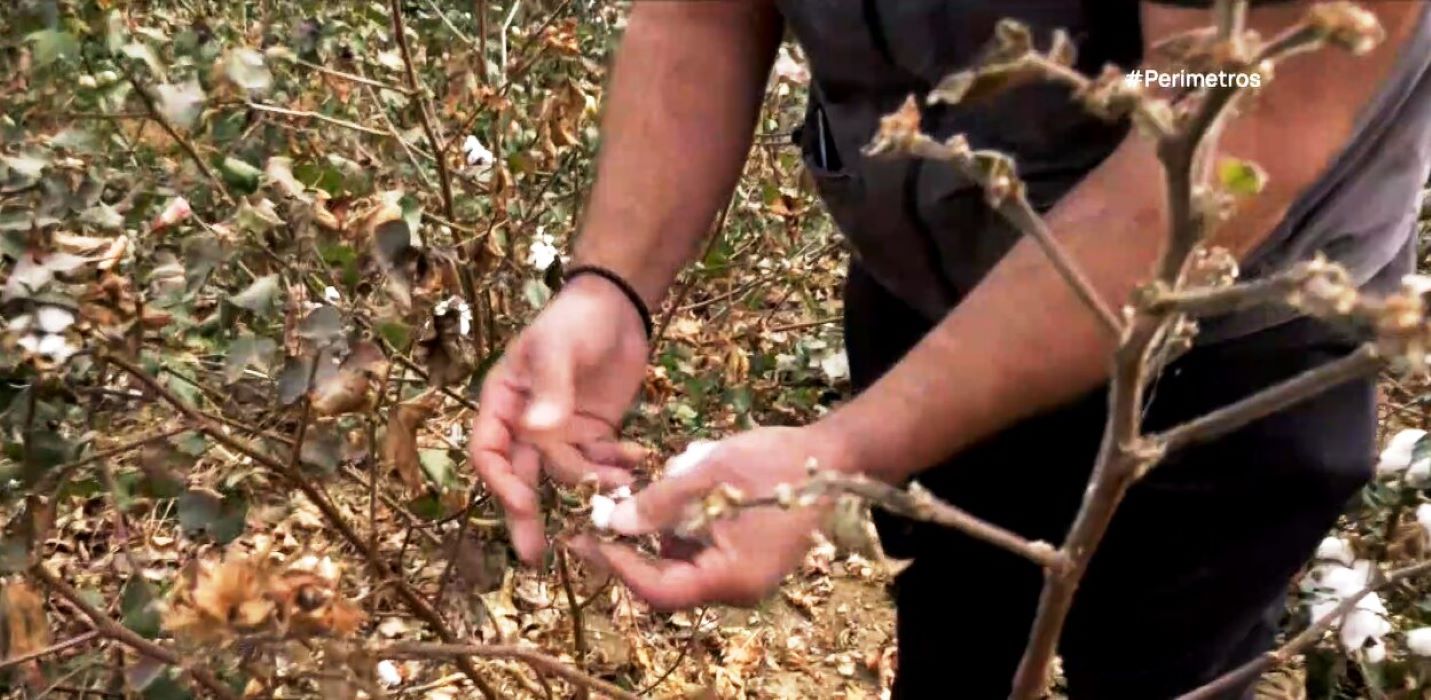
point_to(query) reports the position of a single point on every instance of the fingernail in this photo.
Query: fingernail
(543, 416)
(625, 518)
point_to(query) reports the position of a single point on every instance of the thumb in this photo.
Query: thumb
(552, 370)
(665, 503)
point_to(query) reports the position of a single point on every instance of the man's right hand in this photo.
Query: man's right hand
(554, 402)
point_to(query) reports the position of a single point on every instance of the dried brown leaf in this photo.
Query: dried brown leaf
(400, 441)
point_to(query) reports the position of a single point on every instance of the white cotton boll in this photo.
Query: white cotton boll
(1343, 581)
(620, 493)
(1335, 549)
(1418, 641)
(1423, 516)
(1322, 608)
(787, 68)
(694, 454)
(601, 509)
(1416, 284)
(477, 154)
(332, 295)
(1364, 624)
(542, 252)
(1418, 474)
(20, 323)
(388, 674)
(836, 366)
(464, 319)
(1376, 653)
(56, 347)
(1396, 456)
(53, 319)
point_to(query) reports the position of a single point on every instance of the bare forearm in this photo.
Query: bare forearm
(680, 111)
(1021, 342)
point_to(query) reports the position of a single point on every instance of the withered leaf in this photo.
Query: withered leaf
(26, 627)
(400, 441)
(345, 389)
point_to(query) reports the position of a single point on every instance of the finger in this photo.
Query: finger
(552, 369)
(665, 503)
(663, 584)
(524, 524)
(616, 453)
(569, 466)
(499, 405)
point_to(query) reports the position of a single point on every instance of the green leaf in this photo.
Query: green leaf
(343, 257)
(165, 687)
(204, 512)
(102, 216)
(181, 104)
(536, 292)
(322, 325)
(246, 68)
(44, 450)
(51, 45)
(1241, 177)
(247, 351)
(14, 554)
(241, 173)
(293, 379)
(396, 333)
(136, 604)
(438, 465)
(322, 448)
(393, 240)
(141, 52)
(259, 296)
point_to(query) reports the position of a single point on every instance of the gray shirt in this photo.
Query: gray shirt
(923, 231)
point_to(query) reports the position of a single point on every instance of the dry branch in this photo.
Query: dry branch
(438, 150)
(415, 602)
(1307, 637)
(533, 658)
(119, 633)
(157, 116)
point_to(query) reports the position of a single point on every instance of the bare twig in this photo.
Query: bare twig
(578, 628)
(1246, 672)
(308, 114)
(51, 649)
(1125, 455)
(438, 150)
(1214, 301)
(447, 22)
(119, 633)
(1019, 212)
(360, 79)
(1361, 362)
(415, 602)
(532, 658)
(915, 502)
(158, 117)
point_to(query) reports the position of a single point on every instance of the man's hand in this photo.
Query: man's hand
(748, 554)
(555, 400)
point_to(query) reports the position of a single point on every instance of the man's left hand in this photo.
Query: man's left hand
(748, 553)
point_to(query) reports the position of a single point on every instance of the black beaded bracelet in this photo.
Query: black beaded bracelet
(621, 284)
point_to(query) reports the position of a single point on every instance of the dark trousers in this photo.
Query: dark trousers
(1189, 581)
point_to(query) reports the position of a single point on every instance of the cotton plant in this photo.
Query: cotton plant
(1337, 573)
(1405, 455)
(542, 251)
(1336, 576)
